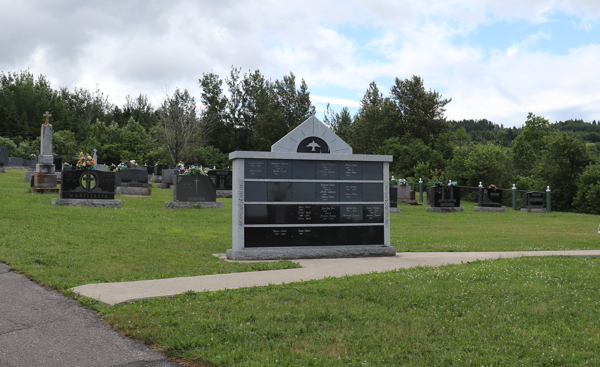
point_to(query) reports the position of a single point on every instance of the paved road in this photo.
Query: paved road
(40, 327)
(114, 293)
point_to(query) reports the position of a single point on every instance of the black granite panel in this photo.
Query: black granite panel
(313, 144)
(490, 198)
(393, 196)
(280, 237)
(446, 196)
(279, 169)
(304, 191)
(372, 213)
(351, 171)
(328, 192)
(279, 191)
(373, 235)
(534, 200)
(328, 170)
(256, 237)
(304, 170)
(304, 214)
(328, 213)
(255, 191)
(222, 178)
(372, 192)
(351, 192)
(351, 213)
(255, 214)
(132, 178)
(255, 168)
(279, 214)
(305, 236)
(372, 170)
(351, 235)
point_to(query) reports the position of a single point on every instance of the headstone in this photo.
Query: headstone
(58, 162)
(45, 179)
(3, 156)
(193, 190)
(393, 196)
(159, 168)
(310, 197)
(223, 180)
(133, 182)
(534, 202)
(15, 161)
(489, 200)
(444, 199)
(88, 188)
(167, 178)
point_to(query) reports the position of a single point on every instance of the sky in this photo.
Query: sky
(496, 60)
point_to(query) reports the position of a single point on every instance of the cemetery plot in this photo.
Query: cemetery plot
(222, 178)
(194, 188)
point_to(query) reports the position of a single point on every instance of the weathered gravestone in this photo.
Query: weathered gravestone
(15, 162)
(489, 200)
(133, 182)
(534, 202)
(84, 187)
(167, 178)
(403, 193)
(45, 179)
(30, 169)
(310, 197)
(223, 180)
(157, 174)
(444, 199)
(193, 190)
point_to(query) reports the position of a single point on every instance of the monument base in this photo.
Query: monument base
(497, 209)
(164, 185)
(531, 210)
(134, 191)
(191, 204)
(310, 252)
(2, 170)
(28, 174)
(156, 178)
(396, 210)
(38, 190)
(451, 209)
(89, 202)
(224, 194)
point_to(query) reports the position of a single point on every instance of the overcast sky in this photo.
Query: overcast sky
(496, 59)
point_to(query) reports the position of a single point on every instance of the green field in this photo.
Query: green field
(527, 311)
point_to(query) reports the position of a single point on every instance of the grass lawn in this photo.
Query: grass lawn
(530, 311)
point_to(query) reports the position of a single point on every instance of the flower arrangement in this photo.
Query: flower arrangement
(193, 170)
(85, 161)
(180, 167)
(402, 182)
(492, 187)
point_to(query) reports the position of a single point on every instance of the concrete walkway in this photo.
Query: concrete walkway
(114, 293)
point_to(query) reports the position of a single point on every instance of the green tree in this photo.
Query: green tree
(420, 112)
(408, 152)
(373, 121)
(65, 145)
(587, 199)
(560, 165)
(487, 163)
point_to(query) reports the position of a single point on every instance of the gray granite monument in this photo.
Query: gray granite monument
(310, 197)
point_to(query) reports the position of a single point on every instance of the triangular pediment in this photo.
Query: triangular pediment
(311, 136)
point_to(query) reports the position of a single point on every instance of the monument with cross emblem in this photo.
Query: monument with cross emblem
(310, 197)
(45, 179)
(193, 190)
(88, 186)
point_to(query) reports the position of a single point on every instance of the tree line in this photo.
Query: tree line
(248, 111)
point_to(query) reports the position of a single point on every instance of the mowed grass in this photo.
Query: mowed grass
(511, 312)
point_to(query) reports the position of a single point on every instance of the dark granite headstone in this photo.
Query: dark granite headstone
(222, 178)
(158, 169)
(87, 184)
(534, 200)
(194, 188)
(132, 177)
(3, 156)
(490, 198)
(393, 196)
(444, 196)
(58, 162)
(15, 161)
(167, 176)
